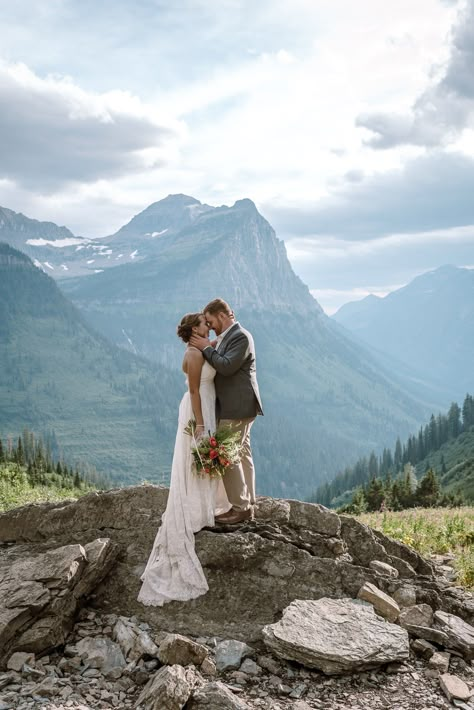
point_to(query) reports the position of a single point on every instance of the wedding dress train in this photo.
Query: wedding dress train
(173, 571)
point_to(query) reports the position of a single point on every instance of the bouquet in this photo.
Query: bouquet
(214, 453)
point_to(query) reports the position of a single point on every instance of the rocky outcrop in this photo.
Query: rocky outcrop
(40, 593)
(293, 550)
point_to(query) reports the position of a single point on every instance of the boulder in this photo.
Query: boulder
(40, 593)
(100, 652)
(416, 615)
(460, 635)
(215, 696)
(383, 568)
(168, 689)
(440, 662)
(336, 636)
(134, 641)
(405, 595)
(382, 603)
(428, 634)
(18, 659)
(230, 654)
(423, 648)
(454, 687)
(175, 648)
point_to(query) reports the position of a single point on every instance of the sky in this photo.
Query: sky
(350, 125)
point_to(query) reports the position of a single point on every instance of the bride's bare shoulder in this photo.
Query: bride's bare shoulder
(191, 354)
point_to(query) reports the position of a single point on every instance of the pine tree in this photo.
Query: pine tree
(454, 421)
(374, 494)
(427, 493)
(397, 458)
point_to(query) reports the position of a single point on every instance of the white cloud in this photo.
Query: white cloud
(52, 132)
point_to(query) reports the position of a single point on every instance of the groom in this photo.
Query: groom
(237, 400)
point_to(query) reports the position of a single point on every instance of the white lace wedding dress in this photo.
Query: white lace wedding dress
(173, 571)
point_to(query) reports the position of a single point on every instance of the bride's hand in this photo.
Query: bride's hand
(199, 433)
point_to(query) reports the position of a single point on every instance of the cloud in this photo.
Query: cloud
(53, 133)
(431, 192)
(444, 109)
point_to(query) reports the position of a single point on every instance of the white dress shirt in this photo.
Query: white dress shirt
(221, 337)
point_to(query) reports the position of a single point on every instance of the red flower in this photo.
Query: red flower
(213, 441)
(213, 454)
(207, 470)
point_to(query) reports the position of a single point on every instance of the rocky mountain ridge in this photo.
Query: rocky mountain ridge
(427, 325)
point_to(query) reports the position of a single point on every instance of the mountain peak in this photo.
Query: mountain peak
(245, 203)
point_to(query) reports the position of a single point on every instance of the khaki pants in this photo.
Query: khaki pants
(239, 479)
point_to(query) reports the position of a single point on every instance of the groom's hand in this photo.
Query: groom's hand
(200, 343)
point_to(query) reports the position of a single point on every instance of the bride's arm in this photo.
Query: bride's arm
(194, 362)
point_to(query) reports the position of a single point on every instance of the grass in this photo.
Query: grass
(433, 531)
(16, 490)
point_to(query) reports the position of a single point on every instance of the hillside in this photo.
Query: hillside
(106, 406)
(445, 445)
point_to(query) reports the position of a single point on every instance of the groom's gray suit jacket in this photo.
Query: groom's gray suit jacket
(237, 394)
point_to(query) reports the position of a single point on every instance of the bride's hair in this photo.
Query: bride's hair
(188, 322)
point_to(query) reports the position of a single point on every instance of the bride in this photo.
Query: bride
(173, 571)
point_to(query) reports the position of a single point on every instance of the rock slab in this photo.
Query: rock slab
(382, 603)
(335, 636)
(454, 687)
(460, 634)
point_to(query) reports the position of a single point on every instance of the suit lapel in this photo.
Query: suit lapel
(224, 340)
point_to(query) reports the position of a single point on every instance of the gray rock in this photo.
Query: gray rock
(429, 634)
(39, 594)
(423, 648)
(269, 664)
(454, 687)
(16, 660)
(215, 696)
(382, 603)
(460, 634)
(208, 667)
(178, 649)
(336, 636)
(405, 596)
(168, 689)
(440, 662)
(250, 667)
(134, 641)
(383, 568)
(101, 652)
(314, 517)
(230, 654)
(416, 615)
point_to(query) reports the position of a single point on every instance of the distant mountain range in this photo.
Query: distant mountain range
(107, 407)
(327, 400)
(427, 325)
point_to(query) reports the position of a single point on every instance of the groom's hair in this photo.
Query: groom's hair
(218, 305)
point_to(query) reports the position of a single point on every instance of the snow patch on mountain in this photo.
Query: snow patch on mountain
(60, 243)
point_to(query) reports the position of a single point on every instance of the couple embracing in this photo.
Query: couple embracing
(222, 392)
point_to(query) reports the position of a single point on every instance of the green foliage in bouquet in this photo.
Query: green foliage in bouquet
(213, 454)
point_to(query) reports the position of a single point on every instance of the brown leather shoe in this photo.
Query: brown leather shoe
(223, 516)
(236, 516)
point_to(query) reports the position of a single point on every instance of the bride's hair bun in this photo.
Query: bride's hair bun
(188, 322)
